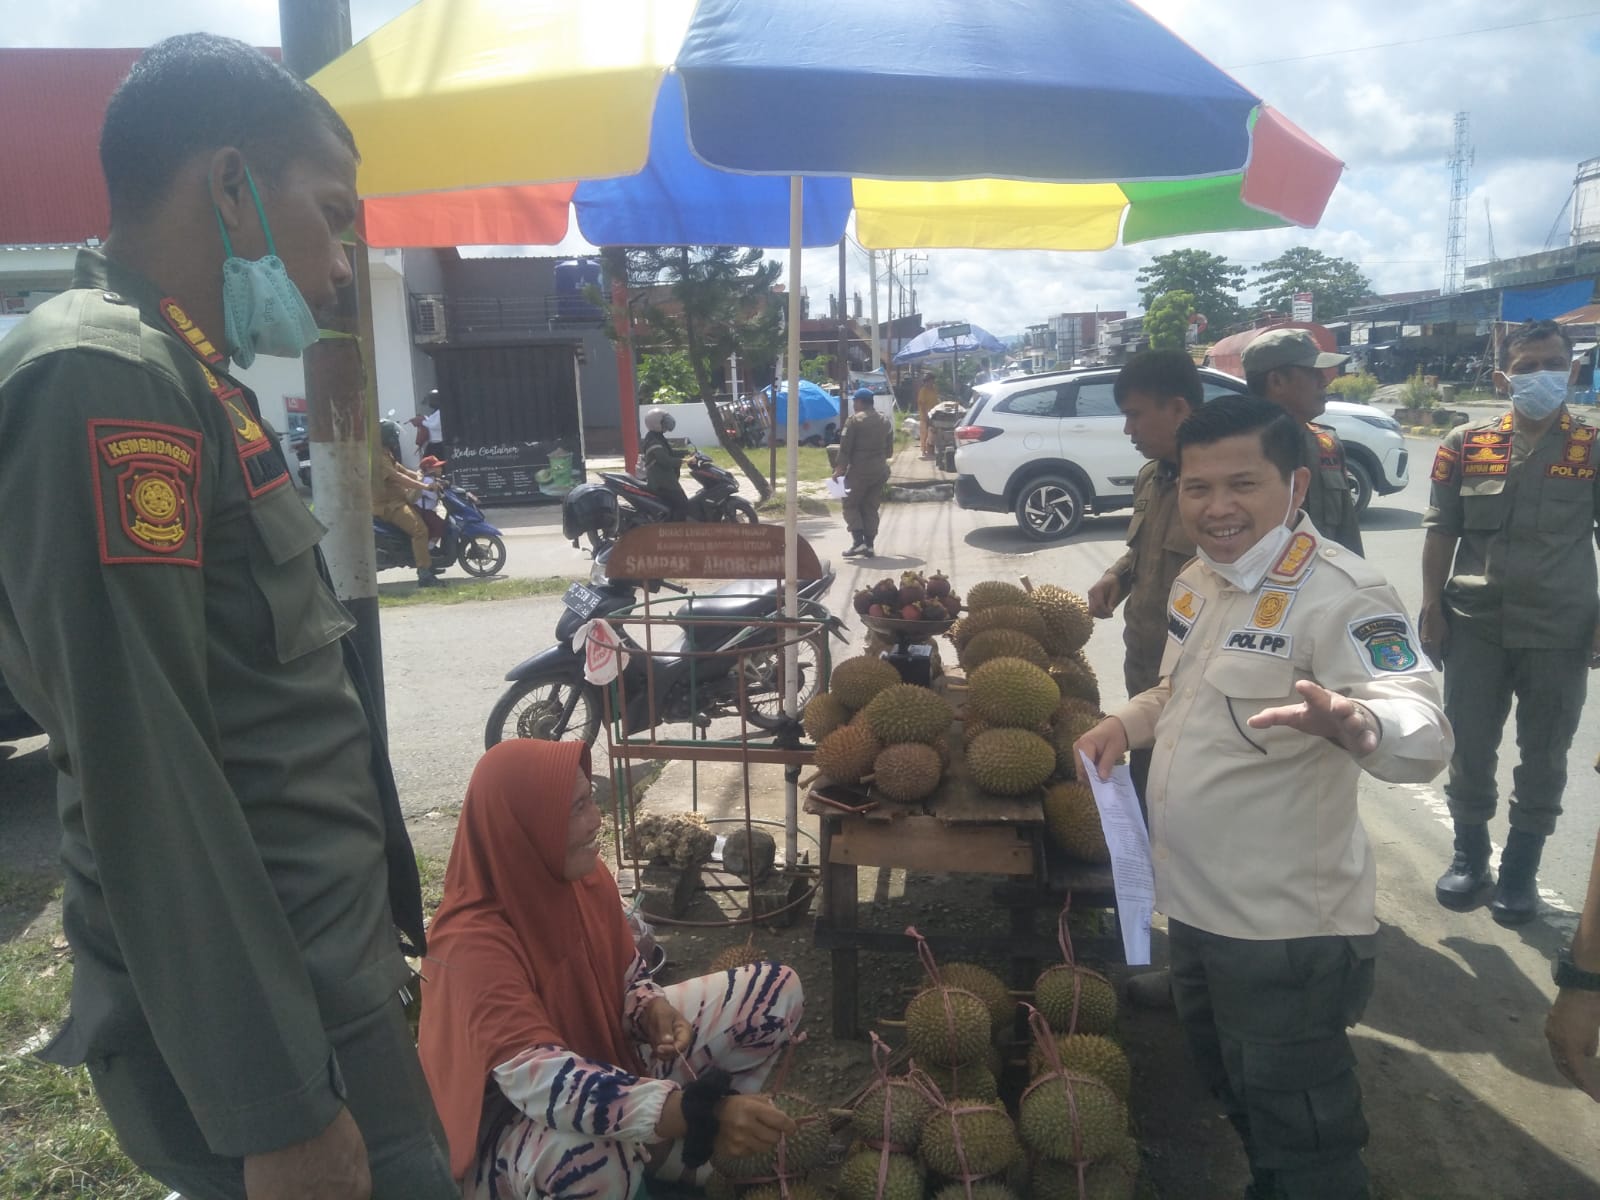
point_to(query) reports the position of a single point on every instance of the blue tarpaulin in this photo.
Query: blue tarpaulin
(815, 404)
(1545, 303)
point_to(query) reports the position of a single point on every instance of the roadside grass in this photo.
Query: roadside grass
(54, 1138)
(457, 591)
(813, 462)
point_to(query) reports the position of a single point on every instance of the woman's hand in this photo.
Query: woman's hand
(665, 1029)
(749, 1125)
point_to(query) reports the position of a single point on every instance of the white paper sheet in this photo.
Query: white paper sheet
(836, 489)
(1131, 871)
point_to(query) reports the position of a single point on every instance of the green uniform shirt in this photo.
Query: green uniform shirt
(1158, 549)
(865, 447)
(1525, 514)
(162, 615)
(1328, 502)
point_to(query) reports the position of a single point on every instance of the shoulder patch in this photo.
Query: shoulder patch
(1445, 462)
(1387, 645)
(146, 486)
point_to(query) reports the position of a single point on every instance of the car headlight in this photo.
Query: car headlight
(1381, 421)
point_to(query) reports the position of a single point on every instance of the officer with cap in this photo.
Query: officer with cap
(1286, 367)
(863, 464)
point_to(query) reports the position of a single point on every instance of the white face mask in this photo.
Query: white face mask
(1248, 570)
(1538, 393)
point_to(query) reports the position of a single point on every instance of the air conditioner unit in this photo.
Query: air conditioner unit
(428, 328)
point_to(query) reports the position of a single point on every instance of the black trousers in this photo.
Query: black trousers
(1266, 1023)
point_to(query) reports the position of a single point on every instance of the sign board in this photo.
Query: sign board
(1359, 335)
(694, 550)
(949, 333)
(1302, 307)
(515, 471)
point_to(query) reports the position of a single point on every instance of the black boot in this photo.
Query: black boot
(425, 579)
(867, 551)
(857, 546)
(1466, 884)
(1516, 900)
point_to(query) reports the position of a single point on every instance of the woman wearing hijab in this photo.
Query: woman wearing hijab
(538, 1016)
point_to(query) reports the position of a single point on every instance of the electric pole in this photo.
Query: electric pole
(341, 395)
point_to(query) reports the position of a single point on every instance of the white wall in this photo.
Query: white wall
(391, 351)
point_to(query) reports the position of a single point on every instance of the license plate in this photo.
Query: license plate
(582, 600)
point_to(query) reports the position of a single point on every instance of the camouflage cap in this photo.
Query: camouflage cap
(1287, 348)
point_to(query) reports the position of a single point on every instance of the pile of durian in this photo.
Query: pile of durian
(870, 727)
(783, 1171)
(673, 839)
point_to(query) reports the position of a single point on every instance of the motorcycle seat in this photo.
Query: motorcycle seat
(742, 598)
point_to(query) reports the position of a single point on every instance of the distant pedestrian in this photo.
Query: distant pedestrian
(430, 428)
(927, 397)
(863, 464)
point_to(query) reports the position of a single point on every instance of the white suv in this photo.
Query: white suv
(1050, 448)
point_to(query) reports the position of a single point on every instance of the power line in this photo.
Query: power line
(1416, 41)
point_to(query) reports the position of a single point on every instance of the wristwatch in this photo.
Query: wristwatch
(1568, 975)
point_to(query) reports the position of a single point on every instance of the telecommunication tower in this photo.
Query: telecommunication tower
(1461, 157)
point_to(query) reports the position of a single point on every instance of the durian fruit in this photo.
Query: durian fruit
(1010, 762)
(946, 1026)
(858, 1179)
(907, 772)
(1076, 678)
(720, 1187)
(1097, 999)
(1013, 693)
(1002, 643)
(986, 986)
(975, 1081)
(1112, 1178)
(1071, 1117)
(825, 713)
(855, 681)
(802, 1150)
(848, 753)
(681, 839)
(1066, 727)
(796, 1191)
(1076, 710)
(908, 1111)
(1023, 618)
(909, 713)
(993, 592)
(1090, 1054)
(738, 956)
(988, 1139)
(1066, 615)
(1073, 820)
(982, 1189)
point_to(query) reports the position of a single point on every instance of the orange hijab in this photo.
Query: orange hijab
(518, 955)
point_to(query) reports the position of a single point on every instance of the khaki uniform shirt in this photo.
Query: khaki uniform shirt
(162, 615)
(865, 447)
(1158, 549)
(1328, 502)
(1255, 832)
(1524, 572)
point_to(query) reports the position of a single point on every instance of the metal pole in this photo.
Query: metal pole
(877, 341)
(616, 261)
(791, 531)
(341, 387)
(844, 360)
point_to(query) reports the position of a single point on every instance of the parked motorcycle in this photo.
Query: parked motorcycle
(586, 513)
(468, 539)
(549, 697)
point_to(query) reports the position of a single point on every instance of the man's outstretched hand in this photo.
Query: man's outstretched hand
(1325, 714)
(1105, 745)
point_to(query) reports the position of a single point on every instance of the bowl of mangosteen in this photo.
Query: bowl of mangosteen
(915, 606)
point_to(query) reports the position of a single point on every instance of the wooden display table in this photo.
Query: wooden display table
(957, 830)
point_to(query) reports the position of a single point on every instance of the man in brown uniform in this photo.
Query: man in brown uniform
(1156, 391)
(1285, 366)
(863, 464)
(1509, 608)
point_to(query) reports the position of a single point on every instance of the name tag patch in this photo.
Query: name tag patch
(1256, 641)
(1386, 645)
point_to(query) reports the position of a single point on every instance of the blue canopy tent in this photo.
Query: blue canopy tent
(818, 410)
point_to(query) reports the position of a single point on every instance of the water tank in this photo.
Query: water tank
(573, 278)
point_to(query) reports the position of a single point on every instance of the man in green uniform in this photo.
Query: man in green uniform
(1509, 608)
(234, 854)
(863, 464)
(1285, 366)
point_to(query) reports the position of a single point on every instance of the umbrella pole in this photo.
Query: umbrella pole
(791, 530)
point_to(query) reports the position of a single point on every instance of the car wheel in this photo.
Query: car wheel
(1049, 508)
(1360, 484)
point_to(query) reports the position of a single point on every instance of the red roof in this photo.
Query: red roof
(54, 102)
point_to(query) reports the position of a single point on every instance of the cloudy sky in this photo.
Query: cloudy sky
(1376, 81)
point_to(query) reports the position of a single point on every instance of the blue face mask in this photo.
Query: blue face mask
(1538, 393)
(263, 311)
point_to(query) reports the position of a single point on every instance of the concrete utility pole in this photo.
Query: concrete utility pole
(844, 360)
(341, 397)
(877, 343)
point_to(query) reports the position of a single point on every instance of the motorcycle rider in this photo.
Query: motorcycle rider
(392, 487)
(661, 462)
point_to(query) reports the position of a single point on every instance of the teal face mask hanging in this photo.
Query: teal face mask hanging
(263, 311)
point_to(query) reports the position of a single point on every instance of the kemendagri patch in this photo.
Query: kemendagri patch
(1271, 608)
(1386, 645)
(146, 487)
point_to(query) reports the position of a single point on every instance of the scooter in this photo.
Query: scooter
(717, 500)
(468, 539)
(549, 698)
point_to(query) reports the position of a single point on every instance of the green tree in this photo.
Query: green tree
(665, 377)
(1212, 280)
(707, 302)
(1167, 320)
(1336, 284)
(816, 369)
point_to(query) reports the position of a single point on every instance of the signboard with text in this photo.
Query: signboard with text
(1302, 307)
(693, 550)
(515, 471)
